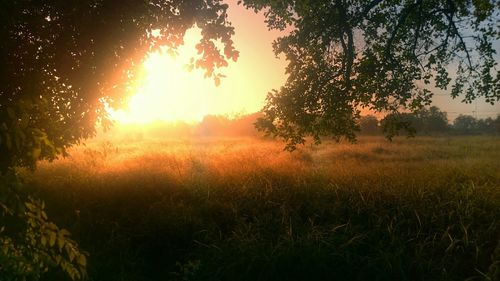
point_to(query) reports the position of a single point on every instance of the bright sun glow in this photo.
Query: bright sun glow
(170, 92)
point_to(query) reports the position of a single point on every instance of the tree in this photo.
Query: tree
(485, 126)
(387, 56)
(368, 125)
(63, 61)
(432, 120)
(465, 124)
(394, 123)
(496, 124)
(423, 121)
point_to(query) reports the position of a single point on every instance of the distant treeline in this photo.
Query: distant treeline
(217, 125)
(428, 121)
(210, 126)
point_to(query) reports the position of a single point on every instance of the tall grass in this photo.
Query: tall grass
(243, 209)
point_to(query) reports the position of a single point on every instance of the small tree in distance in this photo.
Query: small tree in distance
(432, 121)
(426, 121)
(465, 124)
(369, 125)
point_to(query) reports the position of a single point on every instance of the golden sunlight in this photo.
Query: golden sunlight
(169, 92)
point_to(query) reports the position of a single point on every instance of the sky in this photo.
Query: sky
(246, 84)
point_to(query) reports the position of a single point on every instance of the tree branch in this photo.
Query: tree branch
(348, 47)
(402, 19)
(367, 9)
(457, 33)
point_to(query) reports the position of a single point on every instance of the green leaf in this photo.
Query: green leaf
(82, 260)
(52, 238)
(60, 243)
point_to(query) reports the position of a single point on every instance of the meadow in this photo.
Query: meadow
(426, 208)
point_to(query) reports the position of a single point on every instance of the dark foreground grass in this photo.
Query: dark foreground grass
(418, 209)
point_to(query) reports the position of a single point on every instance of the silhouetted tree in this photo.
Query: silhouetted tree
(393, 124)
(344, 55)
(431, 121)
(216, 125)
(423, 121)
(485, 126)
(368, 125)
(496, 124)
(465, 124)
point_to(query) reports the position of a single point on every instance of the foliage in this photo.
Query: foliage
(63, 61)
(382, 55)
(30, 244)
(424, 121)
(369, 125)
(465, 124)
(394, 123)
(432, 120)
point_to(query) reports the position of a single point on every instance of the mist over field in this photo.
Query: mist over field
(242, 208)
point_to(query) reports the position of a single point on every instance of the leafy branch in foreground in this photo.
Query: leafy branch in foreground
(386, 56)
(30, 244)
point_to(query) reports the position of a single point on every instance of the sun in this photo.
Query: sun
(170, 92)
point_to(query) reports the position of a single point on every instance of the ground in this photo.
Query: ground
(426, 208)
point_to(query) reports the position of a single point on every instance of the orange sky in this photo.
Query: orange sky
(188, 96)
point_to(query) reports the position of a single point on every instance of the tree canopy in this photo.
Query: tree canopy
(63, 60)
(382, 55)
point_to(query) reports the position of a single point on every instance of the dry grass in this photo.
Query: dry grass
(243, 209)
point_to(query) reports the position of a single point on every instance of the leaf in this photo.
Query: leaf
(52, 238)
(60, 243)
(70, 251)
(30, 206)
(82, 260)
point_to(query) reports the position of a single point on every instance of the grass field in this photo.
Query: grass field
(243, 209)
